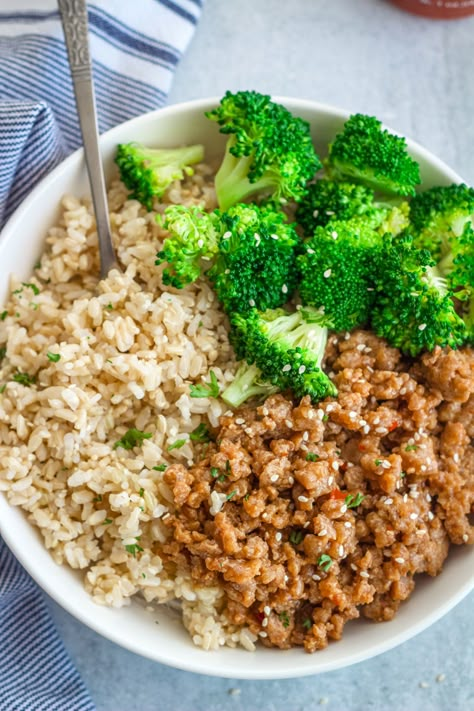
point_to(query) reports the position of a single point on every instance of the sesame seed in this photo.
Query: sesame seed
(267, 610)
(360, 346)
(278, 536)
(274, 477)
(251, 302)
(354, 567)
(440, 678)
(320, 413)
(291, 481)
(286, 578)
(423, 468)
(335, 465)
(274, 236)
(366, 429)
(347, 524)
(422, 326)
(362, 422)
(262, 634)
(227, 271)
(330, 480)
(363, 574)
(334, 234)
(327, 273)
(315, 213)
(286, 368)
(226, 235)
(257, 237)
(352, 415)
(428, 497)
(284, 289)
(340, 551)
(303, 499)
(200, 243)
(388, 501)
(413, 516)
(323, 701)
(288, 423)
(265, 622)
(343, 508)
(381, 430)
(265, 412)
(376, 420)
(430, 515)
(421, 532)
(456, 457)
(465, 538)
(322, 532)
(370, 288)
(385, 464)
(399, 560)
(239, 421)
(301, 369)
(234, 692)
(424, 685)
(310, 251)
(316, 577)
(405, 498)
(305, 436)
(330, 407)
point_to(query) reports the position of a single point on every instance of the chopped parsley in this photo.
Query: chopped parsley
(307, 623)
(28, 285)
(177, 445)
(229, 496)
(160, 467)
(132, 438)
(53, 357)
(200, 434)
(141, 492)
(97, 499)
(296, 537)
(378, 462)
(24, 379)
(109, 307)
(214, 472)
(325, 418)
(143, 575)
(411, 448)
(2, 389)
(285, 619)
(402, 475)
(3, 352)
(246, 497)
(352, 502)
(107, 521)
(206, 389)
(3, 315)
(311, 457)
(37, 265)
(325, 561)
(134, 548)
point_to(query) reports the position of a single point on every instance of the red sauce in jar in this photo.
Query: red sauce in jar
(438, 9)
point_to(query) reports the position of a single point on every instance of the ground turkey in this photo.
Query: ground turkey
(310, 515)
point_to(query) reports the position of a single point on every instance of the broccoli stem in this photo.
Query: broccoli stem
(247, 383)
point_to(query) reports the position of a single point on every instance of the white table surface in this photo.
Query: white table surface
(416, 75)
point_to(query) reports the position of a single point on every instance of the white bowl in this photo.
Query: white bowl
(133, 627)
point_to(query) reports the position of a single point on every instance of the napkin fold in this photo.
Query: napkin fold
(136, 47)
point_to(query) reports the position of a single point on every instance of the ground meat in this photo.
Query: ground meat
(309, 515)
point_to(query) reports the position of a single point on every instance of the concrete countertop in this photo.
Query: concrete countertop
(414, 74)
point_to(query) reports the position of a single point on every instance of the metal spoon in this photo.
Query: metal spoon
(74, 21)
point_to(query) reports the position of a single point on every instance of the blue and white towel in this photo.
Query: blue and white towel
(135, 48)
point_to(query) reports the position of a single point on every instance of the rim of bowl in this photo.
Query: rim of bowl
(105, 630)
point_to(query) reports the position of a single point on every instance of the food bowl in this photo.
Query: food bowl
(134, 627)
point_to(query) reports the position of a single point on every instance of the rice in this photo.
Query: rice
(128, 349)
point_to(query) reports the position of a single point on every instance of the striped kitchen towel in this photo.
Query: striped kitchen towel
(135, 47)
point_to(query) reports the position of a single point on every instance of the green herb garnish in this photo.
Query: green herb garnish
(206, 389)
(132, 438)
(134, 548)
(160, 467)
(229, 496)
(97, 499)
(109, 307)
(53, 357)
(107, 521)
(311, 457)
(378, 462)
(325, 561)
(352, 502)
(177, 445)
(296, 537)
(24, 379)
(285, 619)
(307, 623)
(2, 389)
(3, 352)
(214, 472)
(200, 434)
(411, 448)
(3, 315)
(28, 285)
(141, 492)
(325, 418)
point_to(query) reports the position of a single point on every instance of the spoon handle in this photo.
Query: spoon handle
(74, 21)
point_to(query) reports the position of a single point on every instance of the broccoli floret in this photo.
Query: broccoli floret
(148, 172)
(439, 214)
(457, 267)
(366, 153)
(256, 263)
(327, 200)
(396, 220)
(192, 244)
(337, 272)
(248, 382)
(413, 308)
(287, 348)
(268, 151)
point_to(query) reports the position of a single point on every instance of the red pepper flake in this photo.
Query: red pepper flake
(337, 494)
(361, 447)
(393, 426)
(260, 616)
(343, 467)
